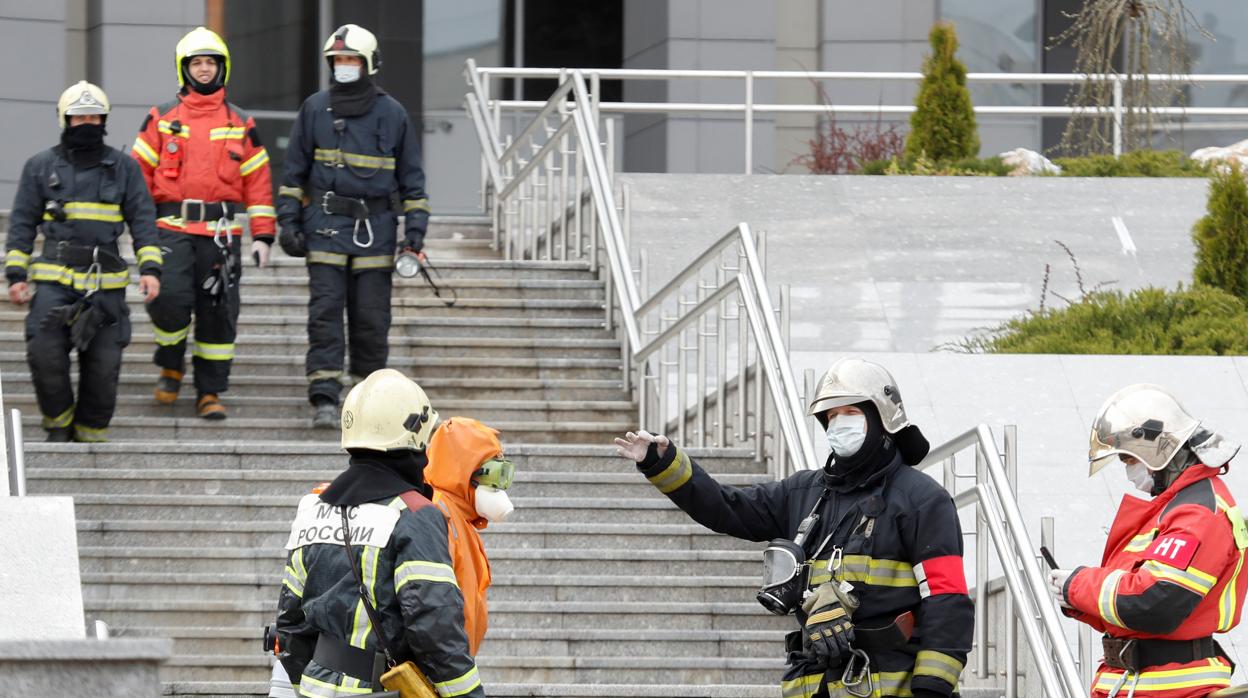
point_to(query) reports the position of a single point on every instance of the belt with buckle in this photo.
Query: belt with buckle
(357, 207)
(72, 254)
(198, 210)
(1135, 654)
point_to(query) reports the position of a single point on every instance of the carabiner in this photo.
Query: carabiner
(216, 234)
(96, 271)
(355, 233)
(852, 682)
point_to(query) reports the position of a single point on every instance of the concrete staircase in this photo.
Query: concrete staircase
(602, 588)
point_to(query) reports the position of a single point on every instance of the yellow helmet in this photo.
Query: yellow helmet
(201, 41)
(81, 98)
(387, 411)
(353, 40)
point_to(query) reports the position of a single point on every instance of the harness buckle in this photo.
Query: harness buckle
(186, 207)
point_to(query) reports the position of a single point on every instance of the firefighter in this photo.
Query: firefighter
(398, 568)
(82, 194)
(865, 552)
(470, 478)
(1172, 572)
(205, 165)
(352, 165)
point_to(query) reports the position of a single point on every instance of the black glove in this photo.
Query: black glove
(292, 241)
(829, 632)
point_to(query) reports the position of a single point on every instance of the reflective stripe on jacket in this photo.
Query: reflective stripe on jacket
(1172, 569)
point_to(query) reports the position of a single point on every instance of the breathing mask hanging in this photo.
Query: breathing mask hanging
(786, 571)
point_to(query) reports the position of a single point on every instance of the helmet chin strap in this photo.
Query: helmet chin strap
(1162, 479)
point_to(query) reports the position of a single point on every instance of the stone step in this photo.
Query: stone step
(293, 367)
(643, 615)
(140, 381)
(503, 560)
(117, 507)
(271, 535)
(298, 455)
(250, 406)
(192, 482)
(402, 325)
(505, 588)
(414, 305)
(256, 288)
(512, 642)
(124, 428)
(677, 670)
(217, 689)
(296, 344)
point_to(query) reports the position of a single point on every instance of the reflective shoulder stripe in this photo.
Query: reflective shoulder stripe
(293, 579)
(1107, 601)
(939, 665)
(254, 163)
(674, 476)
(460, 685)
(145, 152)
(368, 572)
(415, 205)
(234, 133)
(261, 212)
(292, 192)
(1236, 519)
(16, 258)
(93, 211)
(1141, 542)
(878, 571)
(420, 570)
(166, 127)
(54, 273)
(333, 258)
(1190, 578)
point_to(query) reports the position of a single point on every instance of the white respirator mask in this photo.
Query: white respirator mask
(493, 504)
(1140, 476)
(846, 434)
(346, 73)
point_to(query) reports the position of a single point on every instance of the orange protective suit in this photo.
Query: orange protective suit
(457, 450)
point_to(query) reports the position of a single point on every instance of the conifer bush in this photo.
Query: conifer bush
(942, 128)
(1221, 236)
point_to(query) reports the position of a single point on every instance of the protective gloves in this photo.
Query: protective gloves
(292, 241)
(1057, 584)
(829, 632)
(260, 253)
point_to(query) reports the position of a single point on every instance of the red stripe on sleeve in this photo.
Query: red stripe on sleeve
(945, 575)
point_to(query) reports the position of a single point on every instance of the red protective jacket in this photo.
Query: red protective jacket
(1172, 569)
(200, 147)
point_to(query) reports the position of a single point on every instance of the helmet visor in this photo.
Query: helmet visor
(497, 472)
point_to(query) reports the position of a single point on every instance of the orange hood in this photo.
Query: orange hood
(457, 449)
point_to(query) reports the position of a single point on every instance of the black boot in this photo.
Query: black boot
(326, 416)
(60, 435)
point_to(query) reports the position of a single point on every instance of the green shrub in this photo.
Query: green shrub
(1221, 236)
(1137, 163)
(1200, 320)
(943, 125)
(991, 167)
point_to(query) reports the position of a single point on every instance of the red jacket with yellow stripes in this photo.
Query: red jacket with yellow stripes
(201, 147)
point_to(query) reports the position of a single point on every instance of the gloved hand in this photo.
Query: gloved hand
(636, 444)
(292, 241)
(1057, 582)
(829, 631)
(260, 253)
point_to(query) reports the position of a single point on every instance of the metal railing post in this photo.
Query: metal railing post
(749, 122)
(19, 453)
(1117, 110)
(981, 573)
(1010, 443)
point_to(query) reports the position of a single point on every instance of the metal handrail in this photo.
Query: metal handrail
(538, 162)
(749, 107)
(998, 511)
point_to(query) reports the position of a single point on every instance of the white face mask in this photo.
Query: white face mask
(846, 432)
(493, 504)
(1140, 476)
(346, 73)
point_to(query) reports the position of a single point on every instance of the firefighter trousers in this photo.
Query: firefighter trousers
(361, 287)
(47, 352)
(191, 264)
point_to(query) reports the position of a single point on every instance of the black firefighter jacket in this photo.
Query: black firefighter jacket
(409, 575)
(95, 205)
(902, 550)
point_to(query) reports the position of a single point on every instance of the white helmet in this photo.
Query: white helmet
(851, 381)
(353, 40)
(387, 411)
(1143, 421)
(79, 99)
